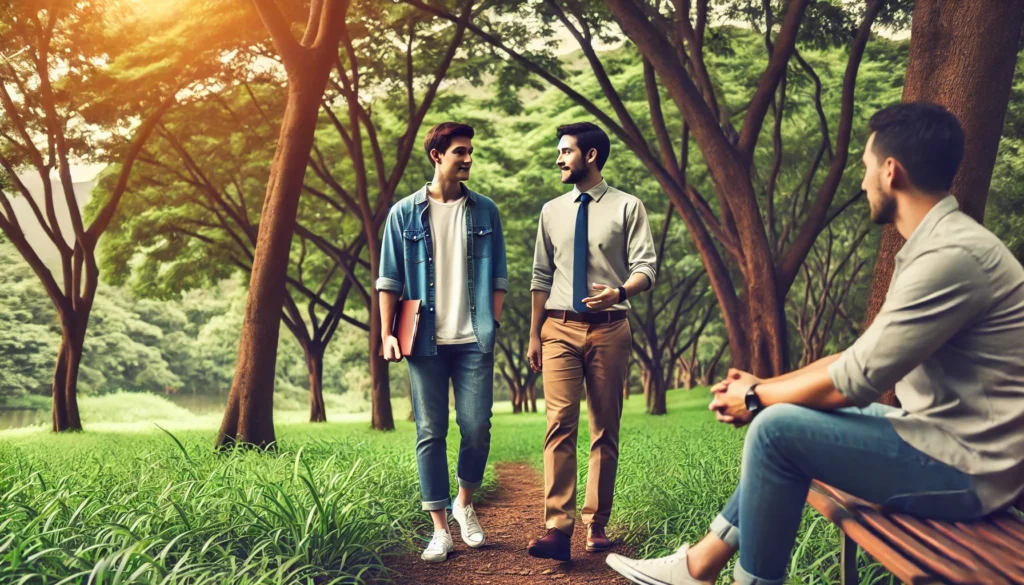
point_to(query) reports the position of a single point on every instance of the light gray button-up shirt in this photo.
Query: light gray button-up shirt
(950, 336)
(619, 244)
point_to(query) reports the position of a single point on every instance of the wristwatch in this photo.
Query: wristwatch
(751, 400)
(622, 294)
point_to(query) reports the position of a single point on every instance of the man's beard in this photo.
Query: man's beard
(886, 212)
(575, 176)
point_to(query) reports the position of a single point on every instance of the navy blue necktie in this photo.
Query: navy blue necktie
(580, 286)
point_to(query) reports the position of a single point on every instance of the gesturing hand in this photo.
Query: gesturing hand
(605, 297)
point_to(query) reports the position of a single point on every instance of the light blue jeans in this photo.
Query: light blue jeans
(471, 372)
(856, 450)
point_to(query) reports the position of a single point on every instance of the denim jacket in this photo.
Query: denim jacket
(407, 264)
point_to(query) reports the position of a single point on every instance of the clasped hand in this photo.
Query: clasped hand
(729, 398)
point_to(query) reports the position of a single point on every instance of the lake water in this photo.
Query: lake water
(17, 418)
(198, 404)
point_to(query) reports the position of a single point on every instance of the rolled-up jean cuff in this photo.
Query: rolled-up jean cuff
(437, 505)
(469, 485)
(723, 529)
(744, 578)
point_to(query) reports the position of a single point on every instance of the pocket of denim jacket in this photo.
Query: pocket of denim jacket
(415, 246)
(482, 241)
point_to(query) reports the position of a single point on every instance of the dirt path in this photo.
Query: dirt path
(510, 517)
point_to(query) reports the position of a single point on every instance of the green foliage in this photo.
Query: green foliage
(28, 339)
(1004, 213)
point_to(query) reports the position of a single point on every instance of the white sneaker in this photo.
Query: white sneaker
(670, 570)
(469, 526)
(439, 547)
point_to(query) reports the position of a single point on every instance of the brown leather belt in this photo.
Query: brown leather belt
(598, 317)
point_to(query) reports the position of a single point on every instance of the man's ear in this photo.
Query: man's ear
(896, 174)
(435, 156)
(591, 155)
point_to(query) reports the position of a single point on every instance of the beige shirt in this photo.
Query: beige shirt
(950, 336)
(619, 244)
(448, 234)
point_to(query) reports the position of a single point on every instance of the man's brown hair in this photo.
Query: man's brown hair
(440, 137)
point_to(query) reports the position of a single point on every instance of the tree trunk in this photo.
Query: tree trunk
(654, 390)
(962, 57)
(249, 417)
(60, 377)
(74, 363)
(531, 394)
(380, 382)
(315, 364)
(518, 396)
(65, 416)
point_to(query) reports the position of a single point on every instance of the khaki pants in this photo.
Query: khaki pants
(580, 357)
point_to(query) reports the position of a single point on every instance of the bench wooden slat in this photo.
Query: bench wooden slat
(905, 570)
(1011, 525)
(988, 551)
(997, 553)
(944, 566)
(957, 544)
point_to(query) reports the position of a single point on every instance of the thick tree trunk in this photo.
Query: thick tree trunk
(60, 377)
(65, 416)
(962, 57)
(531, 395)
(654, 390)
(74, 361)
(315, 365)
(380, 382)
(249, 417)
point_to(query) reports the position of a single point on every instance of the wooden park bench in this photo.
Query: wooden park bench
(983, 552)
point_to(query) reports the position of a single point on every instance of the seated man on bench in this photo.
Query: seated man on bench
(950, 337)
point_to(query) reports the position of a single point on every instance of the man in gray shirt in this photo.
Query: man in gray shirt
(948, 338)
(594, 251)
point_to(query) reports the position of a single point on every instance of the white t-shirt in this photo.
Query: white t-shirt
(451, 297)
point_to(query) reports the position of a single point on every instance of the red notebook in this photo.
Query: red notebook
(407, 321)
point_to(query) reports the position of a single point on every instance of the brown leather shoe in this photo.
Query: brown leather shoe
(554, 545)
(597, 541)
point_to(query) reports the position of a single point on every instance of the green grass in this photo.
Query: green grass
(130, 503)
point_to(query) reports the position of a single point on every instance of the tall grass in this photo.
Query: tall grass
(133, 503)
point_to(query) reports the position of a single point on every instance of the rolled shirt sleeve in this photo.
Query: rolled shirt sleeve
(543, 264)
(933, 298)
(640, 244)
(392, 257)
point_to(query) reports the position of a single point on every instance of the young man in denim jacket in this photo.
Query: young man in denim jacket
(444, 246)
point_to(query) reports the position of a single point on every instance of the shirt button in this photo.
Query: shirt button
(431, 284)
(431, 310)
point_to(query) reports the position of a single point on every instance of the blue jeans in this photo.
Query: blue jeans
(472, 374)
(856, 450)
